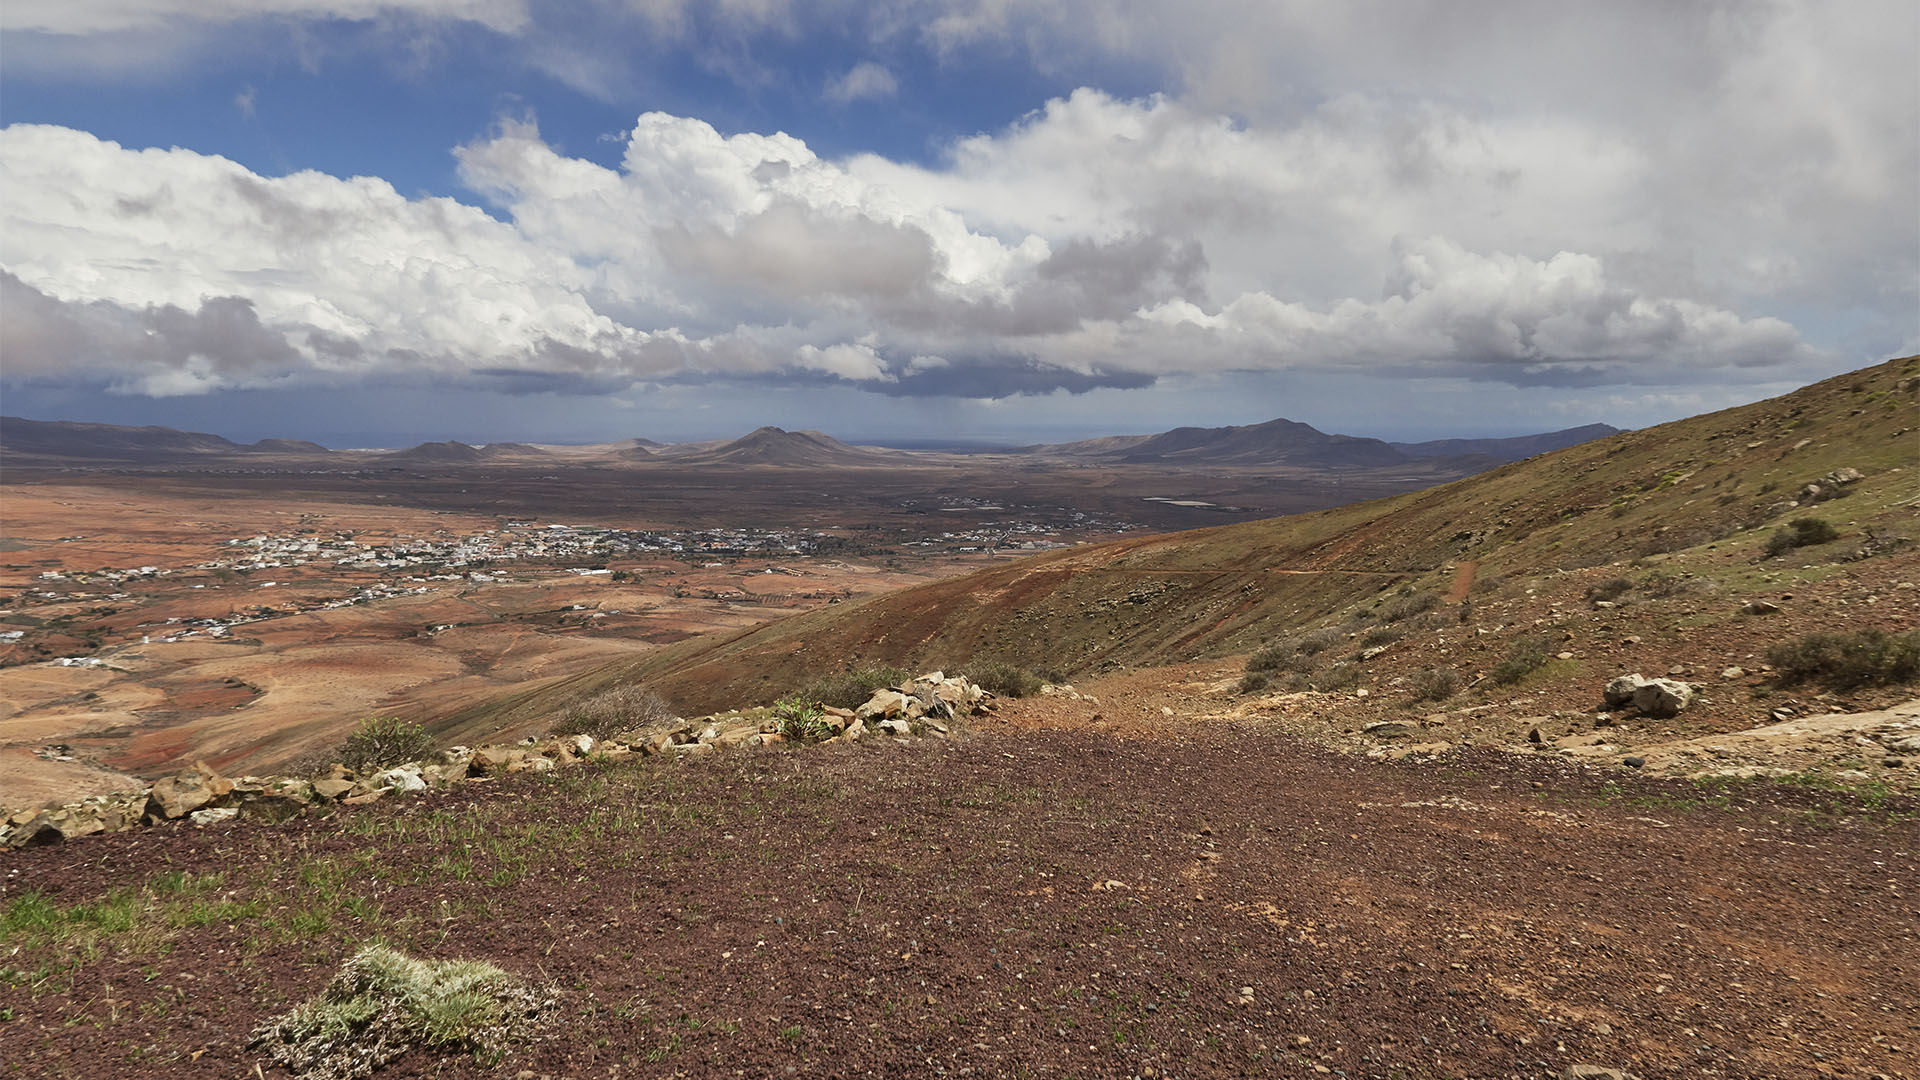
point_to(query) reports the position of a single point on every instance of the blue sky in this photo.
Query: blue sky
(377, 223)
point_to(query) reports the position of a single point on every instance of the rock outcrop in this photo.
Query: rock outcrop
(1659, 698)
(930, 704)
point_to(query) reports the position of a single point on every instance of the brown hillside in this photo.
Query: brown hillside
(1727, 477)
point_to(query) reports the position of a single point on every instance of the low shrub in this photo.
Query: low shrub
(1342, 676)
(1002, 678)
(1662, 585)
(1382, 635)
(1798, 533)
(851, 689)
(384, 741)
(1524, 657)
(1253, 682)
(614, 710)
(1274, 657)
(802, 721)
(1610, 589)
(1318, 641)
(1406, 607)
(383, 1003)
(1434, 684)
(1848, 659)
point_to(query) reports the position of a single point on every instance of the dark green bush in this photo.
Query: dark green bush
(851, 689)
(802, 721)
(1799, 533)
(384, 741)
(1253, 682)
(612, 711)
(1003, 678)
(1848, 659)
(1524, 657)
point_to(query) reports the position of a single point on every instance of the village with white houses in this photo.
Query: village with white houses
(404, 565)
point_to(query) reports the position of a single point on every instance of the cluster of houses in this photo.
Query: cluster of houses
(519, 541)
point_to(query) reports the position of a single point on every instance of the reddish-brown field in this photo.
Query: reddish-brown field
(1029, 903)
(291, 675)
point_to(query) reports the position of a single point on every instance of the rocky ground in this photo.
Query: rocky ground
(1218, 901)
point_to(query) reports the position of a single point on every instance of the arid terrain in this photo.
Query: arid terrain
(248, 605)
(1347, 793)
(1224, 902)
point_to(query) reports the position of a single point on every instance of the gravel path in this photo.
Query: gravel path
(1031, 903)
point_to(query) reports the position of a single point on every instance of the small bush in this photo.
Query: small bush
(1406, 607)
(1799, 533)
(851, 689)
(614, 710)
(1318, 641)
(1610, 589)
(1003, 678)
(384, 741)
(802, 721)
(383, 1003)
(1434, 684)
(1338, 677)
(1661, 585)
(1274, 657)
(1253, 682)
(1848, 659)
(1524, 657)
(1381, 635)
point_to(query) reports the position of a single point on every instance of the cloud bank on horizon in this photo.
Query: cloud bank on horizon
(1630, 195)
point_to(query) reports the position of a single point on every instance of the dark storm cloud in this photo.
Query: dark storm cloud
(158, 349)
(1000, 377)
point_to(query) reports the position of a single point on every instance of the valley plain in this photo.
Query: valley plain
(248, 609)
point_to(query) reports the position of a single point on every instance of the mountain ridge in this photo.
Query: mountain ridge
(1175, 596)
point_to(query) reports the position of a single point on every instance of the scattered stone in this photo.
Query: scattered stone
(181, 794)
(401, 780)
(332, 787)
(1734, 673)
(1388, 729)
(1592, 1072)
(933, 702)
(1634, 762)
(1655, 697)
(1662, 698)
(1619, 692)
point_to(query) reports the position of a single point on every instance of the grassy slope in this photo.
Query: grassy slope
(1719, 477)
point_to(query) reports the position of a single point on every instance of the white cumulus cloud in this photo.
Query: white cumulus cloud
(865, 81)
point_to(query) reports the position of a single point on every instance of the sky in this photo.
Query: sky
(374, 223)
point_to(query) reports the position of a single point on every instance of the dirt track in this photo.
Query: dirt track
(1047, 902)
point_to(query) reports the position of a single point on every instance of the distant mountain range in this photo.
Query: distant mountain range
(1288, 442)
(775, 446)
(1274, 443)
